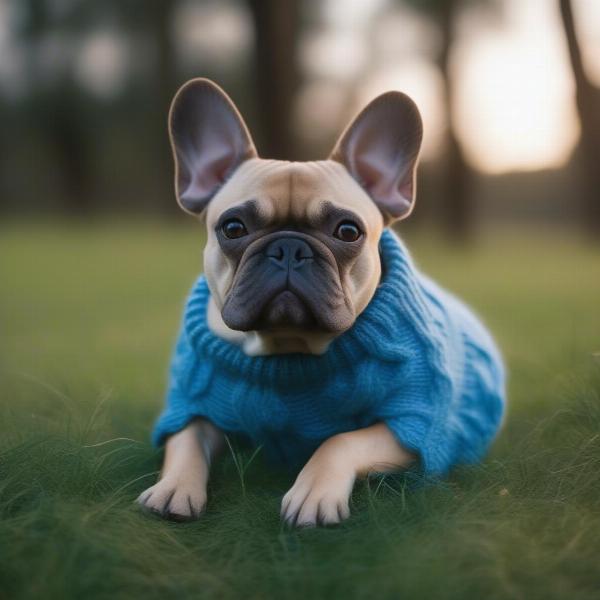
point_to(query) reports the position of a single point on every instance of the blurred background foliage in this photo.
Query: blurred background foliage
(509, 92)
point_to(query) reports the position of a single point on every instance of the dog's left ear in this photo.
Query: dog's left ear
(380, 150)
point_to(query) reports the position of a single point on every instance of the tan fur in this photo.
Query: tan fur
(320, 493)
(322, 490)
(180, 493)
(290, 190)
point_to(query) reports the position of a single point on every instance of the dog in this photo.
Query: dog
(311, 332)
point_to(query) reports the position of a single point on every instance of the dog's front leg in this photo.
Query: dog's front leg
(322, 490)
(180, 493)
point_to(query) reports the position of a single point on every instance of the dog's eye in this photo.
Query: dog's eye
(348, 232)
(233, 229)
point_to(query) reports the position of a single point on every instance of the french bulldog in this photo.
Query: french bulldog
(291, 260)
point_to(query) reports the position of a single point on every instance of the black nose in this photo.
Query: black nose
(289, 252)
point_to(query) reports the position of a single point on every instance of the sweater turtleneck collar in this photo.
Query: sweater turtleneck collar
(376, 331)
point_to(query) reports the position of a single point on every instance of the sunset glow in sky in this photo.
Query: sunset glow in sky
(514, 91)
(515, 106)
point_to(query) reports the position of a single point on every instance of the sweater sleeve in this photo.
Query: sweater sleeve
(446, 415)
(187, 381)
(419, 411)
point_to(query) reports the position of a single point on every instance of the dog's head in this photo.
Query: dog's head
(292, 256)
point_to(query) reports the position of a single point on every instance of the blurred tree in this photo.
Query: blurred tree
(152, 21)
(276, 26)
(56, 107)
(587, 98)
(160, 17)
(60, 113)
(456, 206)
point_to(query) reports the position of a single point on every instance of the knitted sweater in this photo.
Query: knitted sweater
(416, 359)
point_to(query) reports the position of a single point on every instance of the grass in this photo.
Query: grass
(87, 317)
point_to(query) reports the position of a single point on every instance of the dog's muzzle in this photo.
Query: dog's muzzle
(286, 309)
(287, 280)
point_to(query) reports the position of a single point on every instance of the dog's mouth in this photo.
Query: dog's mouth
(287, 282)
(280, 307)
(286, 309)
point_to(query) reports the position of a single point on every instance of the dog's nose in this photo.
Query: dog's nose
(289, 252)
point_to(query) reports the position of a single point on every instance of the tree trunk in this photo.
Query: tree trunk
(57, 114)
(65, 126)
(456, 208)
(276, 25)
(588, 107)
(165, 85)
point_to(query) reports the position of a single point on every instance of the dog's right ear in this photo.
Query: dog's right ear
(209, 140)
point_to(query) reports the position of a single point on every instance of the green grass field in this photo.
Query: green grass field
(87, 318)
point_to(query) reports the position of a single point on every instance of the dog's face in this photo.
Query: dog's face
(292, 248)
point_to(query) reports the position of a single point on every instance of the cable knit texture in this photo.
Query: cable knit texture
(416, 358)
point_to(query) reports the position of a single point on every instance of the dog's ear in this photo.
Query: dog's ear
(380, 150)
(209, 140)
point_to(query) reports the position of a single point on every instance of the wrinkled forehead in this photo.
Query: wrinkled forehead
(294, 192)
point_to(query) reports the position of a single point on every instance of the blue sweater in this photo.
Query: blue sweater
(416, 358)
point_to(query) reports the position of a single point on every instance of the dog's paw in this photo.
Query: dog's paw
(174, 500)
(318, 497)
